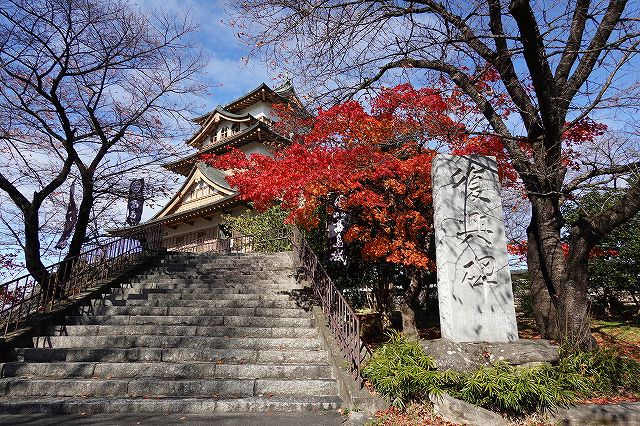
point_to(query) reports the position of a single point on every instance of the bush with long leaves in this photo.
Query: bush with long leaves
(402, 372)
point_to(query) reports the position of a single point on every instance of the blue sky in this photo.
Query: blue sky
(228, 71)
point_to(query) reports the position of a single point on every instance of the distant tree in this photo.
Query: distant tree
(614, 264)
(85, 84)
(555, 63)
(267, 228)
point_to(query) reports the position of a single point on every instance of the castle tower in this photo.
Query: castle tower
(192, 219)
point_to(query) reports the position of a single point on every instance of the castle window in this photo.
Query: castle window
(235, 127)
(224, 132)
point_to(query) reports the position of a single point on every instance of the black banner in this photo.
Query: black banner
(136, 202)
(336, 224)
(70, 220)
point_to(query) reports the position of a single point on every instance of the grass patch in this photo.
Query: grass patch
(621, 335)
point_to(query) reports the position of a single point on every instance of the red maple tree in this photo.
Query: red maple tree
(378, 159)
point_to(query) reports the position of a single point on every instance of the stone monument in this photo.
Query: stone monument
(474, 282)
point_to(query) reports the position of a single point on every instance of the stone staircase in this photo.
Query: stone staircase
(197, 334)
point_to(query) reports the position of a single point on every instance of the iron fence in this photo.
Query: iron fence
(29, 294)
(44, 291)
(342, 319)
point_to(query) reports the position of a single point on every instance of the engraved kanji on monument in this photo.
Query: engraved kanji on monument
(474, 282)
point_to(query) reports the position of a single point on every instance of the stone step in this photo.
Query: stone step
(247, 356)
(224, 268)
(206, 289)
(140, 292)
(194, 311)
(195, 303)
(153, 341)
(166, 370)
(152, 387)
(233, 258)
(208, 405)
(171, 295)
(213, 284)
(206, 320)
(214, 269)
(181, 330)
(213, 279)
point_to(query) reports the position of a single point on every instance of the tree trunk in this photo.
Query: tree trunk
(572, 302)
(84, 217)
(383, 300)
(407, 304)
(33, 262)
(575, 318)
(543, 299)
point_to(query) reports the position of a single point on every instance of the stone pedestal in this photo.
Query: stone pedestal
(471, 356)
(474, 283)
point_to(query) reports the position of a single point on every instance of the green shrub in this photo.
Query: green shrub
(518, 390)
(402, 372)
(606, 373)
(267, 229)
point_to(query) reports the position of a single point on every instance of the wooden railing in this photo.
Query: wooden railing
(273, 241)
(44, 291)
(342, 319)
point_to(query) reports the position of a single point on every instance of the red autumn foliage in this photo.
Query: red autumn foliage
(519, 248)
(378, 160)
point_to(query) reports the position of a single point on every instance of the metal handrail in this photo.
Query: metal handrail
(343, 321)
(42, 292)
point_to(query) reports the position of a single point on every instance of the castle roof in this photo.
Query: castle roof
(257, 132)
(285, 93)
(212, 176)
(212, 119)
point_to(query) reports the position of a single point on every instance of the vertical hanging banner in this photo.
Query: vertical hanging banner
(136, 202)
(335, 229)
(70, 219)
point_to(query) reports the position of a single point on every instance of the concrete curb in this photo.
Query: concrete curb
(356, 399)
(595, 414)
(457, 411)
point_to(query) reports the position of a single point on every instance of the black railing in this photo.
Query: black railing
(29, 295)
(342, 319)
(44, 291)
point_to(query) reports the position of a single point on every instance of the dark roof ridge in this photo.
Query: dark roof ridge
(257, 125)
